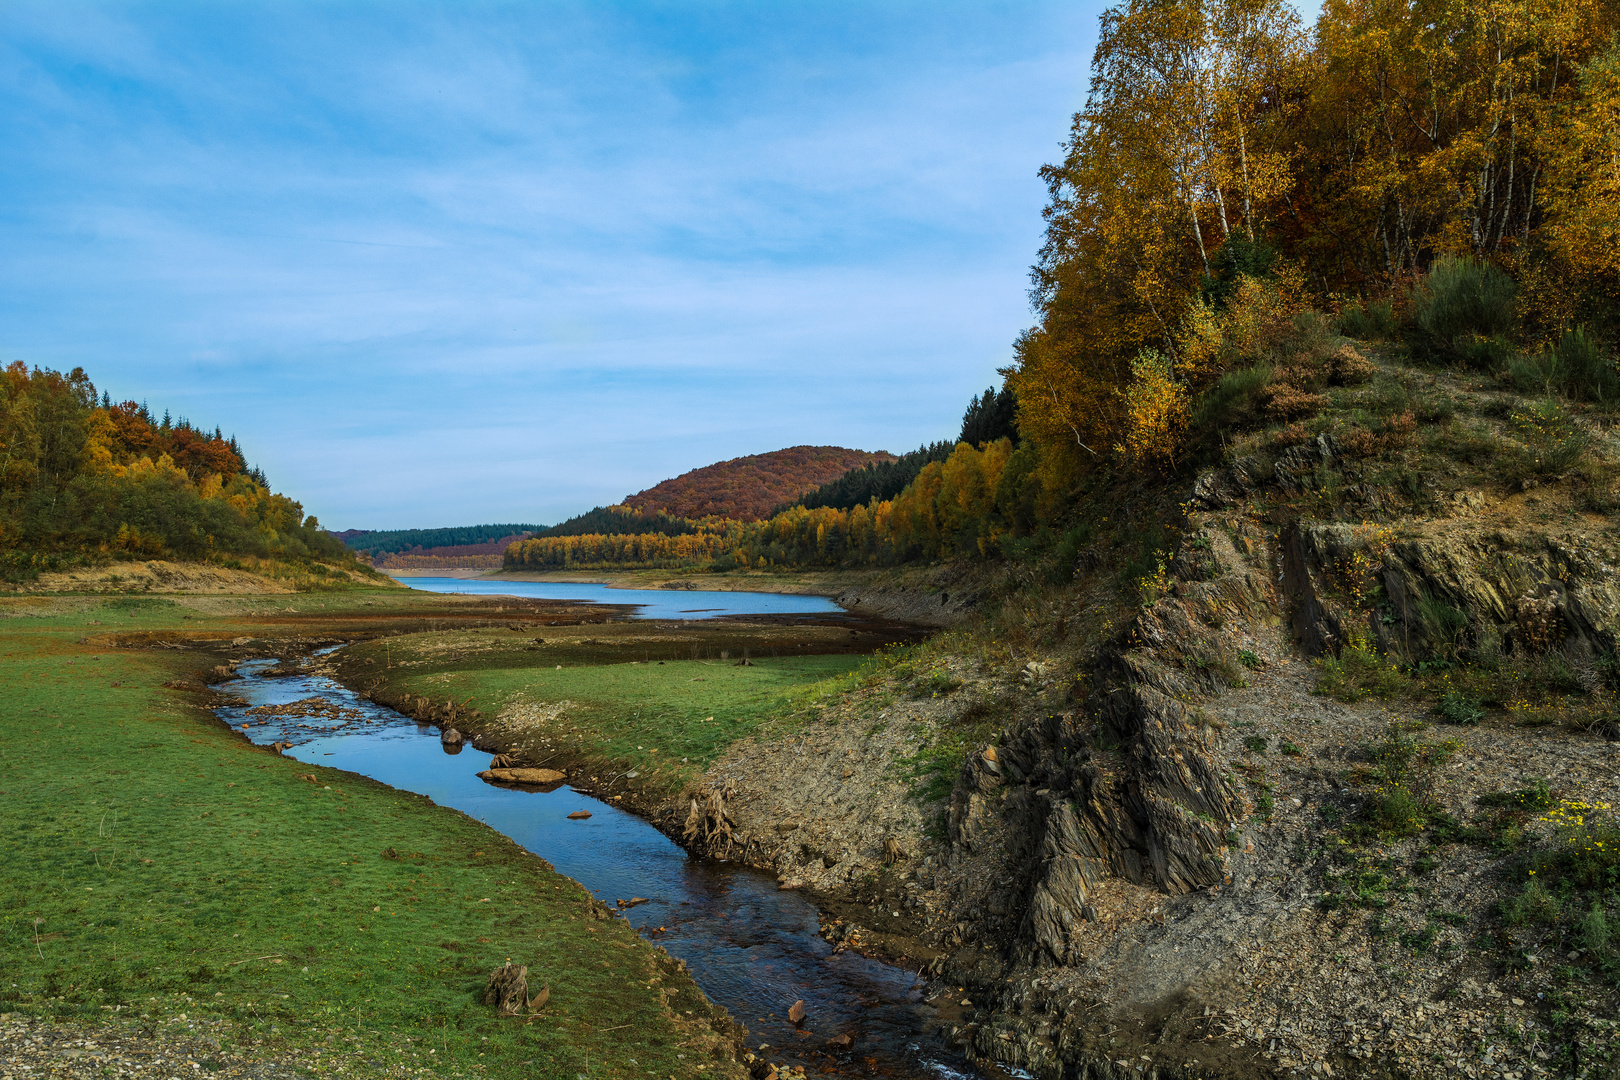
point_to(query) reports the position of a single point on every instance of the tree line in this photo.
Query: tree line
(403, 540)
(83, 478)
(1230, 167)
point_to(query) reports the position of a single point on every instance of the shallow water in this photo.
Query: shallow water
(649, 603)
(752, 947)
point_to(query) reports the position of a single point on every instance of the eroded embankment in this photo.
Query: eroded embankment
(1176, 852)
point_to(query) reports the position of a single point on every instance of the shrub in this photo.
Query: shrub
(1576, 367)
(1461, 311)
(1156, 411)
(1552, 444)
(1285, 402)
(1534, 905)
(1585, 370)
(1361, 671)
(1374, 321)
(1233, 402)
(1458, 708)
(1593, 932)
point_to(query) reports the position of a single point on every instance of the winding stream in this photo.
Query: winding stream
(752, 947)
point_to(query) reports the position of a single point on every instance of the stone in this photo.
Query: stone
(579, 815)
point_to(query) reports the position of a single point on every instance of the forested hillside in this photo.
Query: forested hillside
(463, 540)
(83, 480)
(619, 520)
(1236, 192)
(749, 488)
(1230, 169)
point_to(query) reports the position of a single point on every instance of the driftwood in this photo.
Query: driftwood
(523, 776)
(508, 990)
(892, 852)
(501, 761)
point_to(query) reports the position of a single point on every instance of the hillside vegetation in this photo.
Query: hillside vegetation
(1235, 192)
(461, 540)
(84, 481)
(748, 488)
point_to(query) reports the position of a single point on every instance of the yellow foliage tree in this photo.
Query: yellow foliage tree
(1156, 409)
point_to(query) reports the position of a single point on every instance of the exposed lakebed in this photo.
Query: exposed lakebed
(751, 946)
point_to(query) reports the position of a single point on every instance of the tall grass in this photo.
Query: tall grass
(1576, 367)
(1372, 321)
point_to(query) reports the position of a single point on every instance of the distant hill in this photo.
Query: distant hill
(880, 480)
(621, 521)
(462, 540)
(749, 488)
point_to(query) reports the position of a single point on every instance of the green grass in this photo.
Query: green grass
(1361, 671)
(666, 719)
(152, 861)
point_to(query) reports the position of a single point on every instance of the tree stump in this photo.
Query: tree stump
(508, 988)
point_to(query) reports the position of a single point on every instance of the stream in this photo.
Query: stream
(752, 947)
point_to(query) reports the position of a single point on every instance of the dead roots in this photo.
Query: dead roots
(708, 826)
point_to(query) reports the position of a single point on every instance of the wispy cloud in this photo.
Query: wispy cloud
(436, 263)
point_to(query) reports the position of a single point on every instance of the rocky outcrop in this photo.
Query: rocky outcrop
(1448, 591)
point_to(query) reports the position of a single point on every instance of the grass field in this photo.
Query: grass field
(663, 701)
(152, 862)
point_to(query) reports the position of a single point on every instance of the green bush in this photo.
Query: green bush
(1462, 311)
(1232, 404)
(1593, 931)
(1534, 905)
(1459, 708)
(1576, 367)
(1553, 445)
(1361, 671)
(1374, 321)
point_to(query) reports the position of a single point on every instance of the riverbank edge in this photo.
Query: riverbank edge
(664, 808)
(180, 690)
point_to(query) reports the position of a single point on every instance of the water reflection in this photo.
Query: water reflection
(649, 603)
(752, 947)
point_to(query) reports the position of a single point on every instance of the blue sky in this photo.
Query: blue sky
(440, 264)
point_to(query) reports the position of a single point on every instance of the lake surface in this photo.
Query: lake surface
(649, 603)
(751, 946)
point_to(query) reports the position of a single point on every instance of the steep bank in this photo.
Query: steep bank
(1323, 789)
